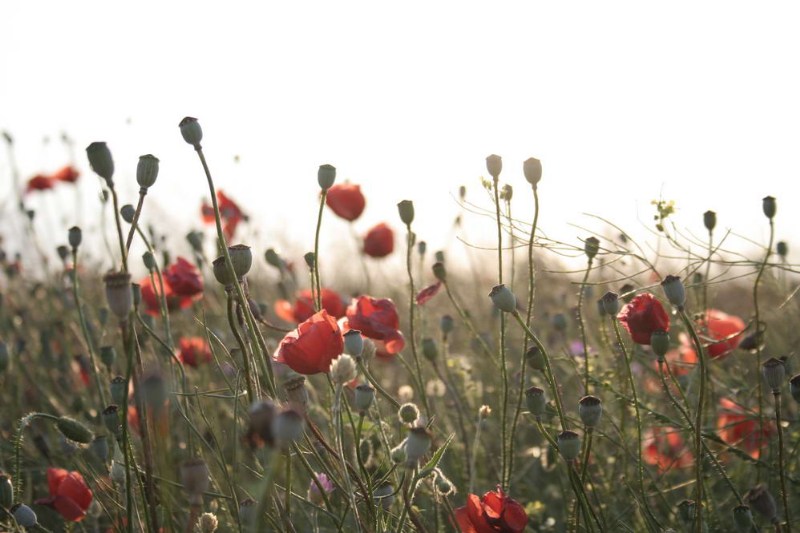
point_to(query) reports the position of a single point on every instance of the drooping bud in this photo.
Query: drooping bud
(74, 430)
(406, 210)
(494, 165)
(195, 479)
(769, 206)
(6, 492)
(439, 271)
(569, 444)
(310, 259)
(659, 342)
(147, 171)
(674, 291)
(343, 370)
(532, 168)
(191, 131)
(326, 176)
(149, 261)
(74, 236)
(241, 259)
(273, 259)
(118, 293)
(774, 372)
(408, 413)
(591, 246)
(590, 409)
(101, 161)
(353, 343)
(710, 220)
(364, 396)
(611, 303)
(535, 400)
(503, 298)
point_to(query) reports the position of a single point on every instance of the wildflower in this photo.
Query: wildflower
(642, 316)
(314, 493)
(312, 347)
(39, 182)
(229, 212)
(194, 351)
(738, 428)
(303, 306)
(495, 512)
(66, 174)
(346, 200)
(377, 319)
(723, 328)
(664, 448)
(182, 286)
(69, 494)
(379, 241)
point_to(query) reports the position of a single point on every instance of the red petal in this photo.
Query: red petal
(428, 292)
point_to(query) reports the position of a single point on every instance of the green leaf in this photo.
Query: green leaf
(434, 462)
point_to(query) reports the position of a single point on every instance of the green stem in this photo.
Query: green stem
(135, 221)
(583, 328)
(781, 464)
(759, 343)
(242, 347)
(122, 248)
(84, 329)
(411, 320)
(318, 293)
(502, 347)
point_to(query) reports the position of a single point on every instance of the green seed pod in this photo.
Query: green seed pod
(590, 409)
(24, 515)
(674, 291)
(535, 358)
(127, 212)
(569, 444)
(119, 388)
(111, 420)
(774, 372)
(494, 165)
(326, 176)
(101, 161)
(782, 249)
(118, 293)
(6, 492)
(429, 349)
(687, 510)
(532, 168)
(439, 271)
(535, 401)
(743, 519)
(769, 206)
(364, 396)
(222, 273)
(591, 246)
(241, 259)
(446, 324)
(191, 131)
(659, 342)
(406, 210)
(503, 298)
(149, 261)
(75, 236)
(710, 220)
(147, 171)
(100, 449)
(611, 303)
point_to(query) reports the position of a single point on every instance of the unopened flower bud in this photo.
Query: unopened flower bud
(384, 496)
(760, 499)
(774, 372)
(710, 220)
(743, 519)
(782, 249)
(288, 426)
(101, 162)
(259, 431)
(147, 171)
(406, 210)
(241, 259)
(149, 261)
(422, 247)
(326, 176)
(353, 343)
(429, 349)
(418, 443)
(398, 453)
(310, 259)
(191, 131)
(194, 477)
(74, 430)
(364, 396)
(611, 303)
(494, 165)
(195, 240)
(535, 401)
(154, 392)
(273, 259)
(591, 246)
(559, 322)
(63, 252)
(503, 298)
(769, 206)
(659, 342)
(343, 370)
(674, 291)
(532, 168)
(74, 236)
(569, 444)
(118, 293)
(439, 271)
(506, 193)
(408, 413)
(24, 515)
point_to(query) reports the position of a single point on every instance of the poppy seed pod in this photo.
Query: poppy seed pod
(24, 515)
(288, 426)
(535, 400)
(535, 358)
(408, 413)
(6, 492)
(774, 372)
(659, 342)
(674, 291)
(418, 443)
(406, 210)
(118, 293)
(422, 247)
(127, 212)
(75, 236)
(503, 298)
(74, 430)
(494, 165)
(343, 370)
(110, 416)
(194, 477)
(222, 273)
(591, 246)
(743, 518)
(710, 220)
(195, 240)
(769, 206)
(429, 349)
(147, 171)
(569, 444)
(446, 324)
(611, 303)
(782, 249)
(794, 387)
(364, 396)
(384, 495)
(590, 409)
(532, 168)
(191, 131)
(99, 447)
(760, 499)
(559, 322)
(241, 259)
(101, 162)
(62, 251)
(326, 176)
(259, 430)
(353, 343)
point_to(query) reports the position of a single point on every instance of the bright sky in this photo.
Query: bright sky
(623, 102)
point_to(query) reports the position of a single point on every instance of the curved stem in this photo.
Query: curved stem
(317, 296)
(411, 332)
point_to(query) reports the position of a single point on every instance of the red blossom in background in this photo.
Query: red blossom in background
(642, 316)
(39, 182)
(346, 200)
(182, 286)
(66, 174)
(494, 513)
(303, 306)
(379, 241)
(377, 319)
(740, 429)
(312, 347)
(229, 213)
(716, 325)
(194, 351)
(69, 494)
(665, 449)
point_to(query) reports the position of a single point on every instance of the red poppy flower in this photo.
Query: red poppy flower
(39, 182)
(194, 351)
(346, 200)
(312, 347)
(229, 212)
(428, 292)
(67, 174)
(494, 513)
(69, 494)
(379, 241)
(377, 320)
(642, 316)
(303, 306)
(721, 327)
(183, 278)
(743, 430)
(665, 449)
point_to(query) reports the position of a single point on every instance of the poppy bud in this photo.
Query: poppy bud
(794, 387)
(590, 410)
(494, 164)
(569, 444)
(591, 246)
(687, 510)
(674, 290)
(364, 397)
(5, 358)
(288, 426)
(503, 298)
(191, 131)
(128, 212)
(296, 393)
(535, 358)
(743, 518)
(62, 251)
(110, 416)
(74, 236)
(118, 293)
(417, 445)
(710, 220)
(444, 485)
(611, 303)
(782, 249)
(532, 168)
(440, 272)
(241, 258)
(406, 210)
(74, 430)
(343, 370)
(118, 389)
(760, 499)
(774, 372)
(429, 349)
(194, 477)
(24, 515)
(422, 247)
(659, 342)
(6, 492)
(247, 511)
(273, 259)
(438, 256)
(446, 324)
(326, 175)
(147, 171)
(535, 400)
(353, 343)
(149, 261)
(101, 162)
(222, 273)
(769, 207)
(310, 259)
(408, 413)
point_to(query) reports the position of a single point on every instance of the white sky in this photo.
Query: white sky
(622, 101)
